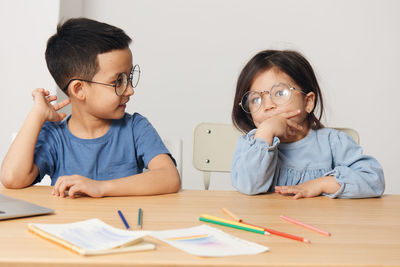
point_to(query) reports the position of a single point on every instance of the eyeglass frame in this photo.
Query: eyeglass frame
(262, 93)
(130, 78)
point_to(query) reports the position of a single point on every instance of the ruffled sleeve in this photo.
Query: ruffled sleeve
(359, 175)
(253, 164)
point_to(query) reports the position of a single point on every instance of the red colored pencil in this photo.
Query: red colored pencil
(274, 232)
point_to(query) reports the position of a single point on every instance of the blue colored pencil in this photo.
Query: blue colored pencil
(123, 219)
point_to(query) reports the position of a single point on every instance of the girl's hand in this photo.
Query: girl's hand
(280, 125)
(311, 188)
(76, 185)
(42, 103)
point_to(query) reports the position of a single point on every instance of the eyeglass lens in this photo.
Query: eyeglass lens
(122, 80)
(279, 94)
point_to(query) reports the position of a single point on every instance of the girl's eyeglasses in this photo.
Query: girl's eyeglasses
(279, 94)
(121, 84)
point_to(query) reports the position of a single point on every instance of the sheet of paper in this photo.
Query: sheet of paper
(91, 234)
(208, 241)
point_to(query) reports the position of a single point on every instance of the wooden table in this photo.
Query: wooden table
(365, 232)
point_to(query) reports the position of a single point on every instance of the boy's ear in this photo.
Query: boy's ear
(309, 102)
(76, 90)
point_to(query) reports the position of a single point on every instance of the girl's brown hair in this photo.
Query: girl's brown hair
(290, 62)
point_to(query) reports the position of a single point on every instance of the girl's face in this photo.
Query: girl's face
(264, 81)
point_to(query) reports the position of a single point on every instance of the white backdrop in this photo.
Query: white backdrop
(191, 53)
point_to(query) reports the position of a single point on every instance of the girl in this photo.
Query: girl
(286, 148)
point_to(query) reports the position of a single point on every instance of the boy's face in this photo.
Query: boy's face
(101, 100)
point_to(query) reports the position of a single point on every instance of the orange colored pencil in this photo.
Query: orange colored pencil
(232, 215)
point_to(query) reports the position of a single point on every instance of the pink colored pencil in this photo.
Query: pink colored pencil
(322, 232)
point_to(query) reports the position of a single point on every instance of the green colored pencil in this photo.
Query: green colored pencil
(232, 225)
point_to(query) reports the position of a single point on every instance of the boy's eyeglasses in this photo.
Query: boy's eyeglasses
(279, 94)
(121, 84)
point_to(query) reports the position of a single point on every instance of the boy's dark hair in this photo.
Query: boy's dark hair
(290, 62)
(72, 51)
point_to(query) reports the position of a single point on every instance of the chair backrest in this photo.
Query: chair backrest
(215, 143)
(351, 132)
(213, 147)
(175, 148)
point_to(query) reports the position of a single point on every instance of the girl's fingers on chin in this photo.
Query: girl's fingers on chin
(292, 113)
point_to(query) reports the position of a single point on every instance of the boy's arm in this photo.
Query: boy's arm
(162, 178)
(18, 169)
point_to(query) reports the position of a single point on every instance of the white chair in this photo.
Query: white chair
(350, 132)
(213, 147)
(215, 143)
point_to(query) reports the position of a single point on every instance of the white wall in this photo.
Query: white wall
(191, 53)
(25, 27)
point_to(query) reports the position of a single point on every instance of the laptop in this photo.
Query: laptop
(15, 208)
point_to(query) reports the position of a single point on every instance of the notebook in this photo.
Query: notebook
(92, 237)
(15, 208)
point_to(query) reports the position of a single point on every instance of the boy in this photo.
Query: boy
(99, 150)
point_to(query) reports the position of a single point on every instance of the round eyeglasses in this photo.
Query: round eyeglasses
(121, 83)
(279, 94)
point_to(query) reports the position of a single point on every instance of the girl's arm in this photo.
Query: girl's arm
(354, 175)
(253, 164)
(311, 188)
(359, 175)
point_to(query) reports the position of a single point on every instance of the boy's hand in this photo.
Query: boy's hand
(42, 103)
(279, 125)
(75, 185)
(311, 188)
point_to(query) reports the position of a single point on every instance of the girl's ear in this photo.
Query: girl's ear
(76, 90)
(309, 102)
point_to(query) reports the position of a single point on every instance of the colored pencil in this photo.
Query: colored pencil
(274, 232)
(322, 232)
(232, 222)
(140, 219)
(282, 234)
(232, 215)
(233, 226)
(123, 219)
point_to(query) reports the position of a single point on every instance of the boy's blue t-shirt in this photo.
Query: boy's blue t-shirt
(126, 148)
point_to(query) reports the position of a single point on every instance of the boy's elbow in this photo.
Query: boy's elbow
(176, 183)
(11, 180)
(172, 183)
(8, 180)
